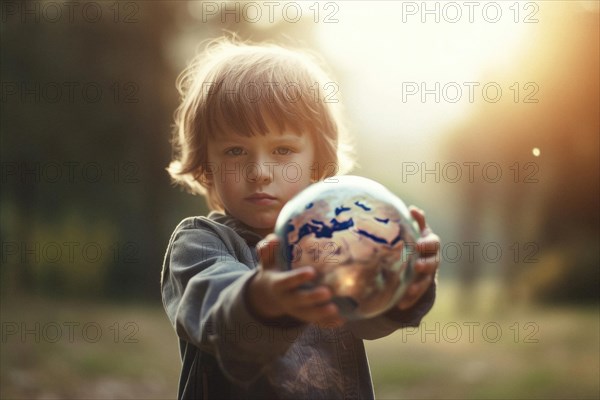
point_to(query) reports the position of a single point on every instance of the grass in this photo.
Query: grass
(124, 352)
(539, 353)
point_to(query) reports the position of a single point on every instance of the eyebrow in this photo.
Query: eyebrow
(237, 139)
(289, 137)
(228, 139)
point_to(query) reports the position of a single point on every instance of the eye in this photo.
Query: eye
(283, 151)
(234, 151)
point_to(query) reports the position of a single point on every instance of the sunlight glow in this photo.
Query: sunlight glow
(398, 64)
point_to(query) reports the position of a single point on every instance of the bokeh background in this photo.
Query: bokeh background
(486, 115)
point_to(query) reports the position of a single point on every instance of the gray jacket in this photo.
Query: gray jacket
(228, 353)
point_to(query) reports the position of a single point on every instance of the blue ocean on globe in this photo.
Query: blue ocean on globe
(358, 236)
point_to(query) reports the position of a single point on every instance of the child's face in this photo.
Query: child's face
(255, 176)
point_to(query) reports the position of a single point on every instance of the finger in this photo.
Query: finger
(331, 323)
(266, 250)
(407, 303)
(419, 216)
(310, 297)
(428, 245)
(418, 287)
(415, 291)
(316, 314)
(426, 266)
(290, 280)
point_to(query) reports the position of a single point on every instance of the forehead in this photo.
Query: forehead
(270, 136)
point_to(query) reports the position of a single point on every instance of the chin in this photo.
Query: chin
(263, 223)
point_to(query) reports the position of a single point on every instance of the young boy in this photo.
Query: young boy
(246, 328)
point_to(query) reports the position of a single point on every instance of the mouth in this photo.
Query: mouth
(261, 199)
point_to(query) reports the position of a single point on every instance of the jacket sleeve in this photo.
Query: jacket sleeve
(383, 325)
(203, 289)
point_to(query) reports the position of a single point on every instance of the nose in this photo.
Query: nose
(261, 170)
(266, 172)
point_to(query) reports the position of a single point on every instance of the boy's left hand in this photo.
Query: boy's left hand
(427, 264)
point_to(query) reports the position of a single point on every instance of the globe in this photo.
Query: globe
(359, 237)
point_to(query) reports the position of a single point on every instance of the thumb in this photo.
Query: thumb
(419, 216)
(267, 252)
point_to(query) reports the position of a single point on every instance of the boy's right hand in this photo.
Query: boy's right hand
(274, 293)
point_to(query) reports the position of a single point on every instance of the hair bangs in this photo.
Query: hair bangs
(273, 95)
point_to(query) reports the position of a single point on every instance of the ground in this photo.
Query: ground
(67, 349)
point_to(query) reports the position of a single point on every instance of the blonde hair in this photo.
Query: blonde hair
(247, 88)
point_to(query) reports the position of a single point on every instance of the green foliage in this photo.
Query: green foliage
(91, 169)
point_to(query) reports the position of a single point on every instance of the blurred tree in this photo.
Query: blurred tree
(546, 211)
(89, 121)
(92, 99)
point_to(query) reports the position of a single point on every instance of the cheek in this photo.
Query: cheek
(230, 190)
(298, 176)
(309, 168)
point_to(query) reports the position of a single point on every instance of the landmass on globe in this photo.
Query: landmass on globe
(357, 245)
